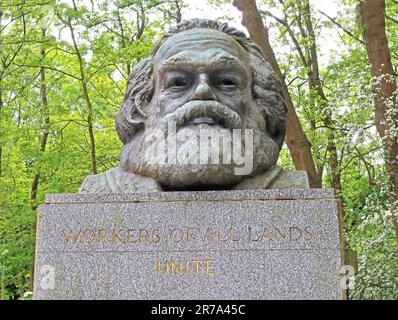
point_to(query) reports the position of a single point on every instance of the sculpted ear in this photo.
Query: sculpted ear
(139, 90)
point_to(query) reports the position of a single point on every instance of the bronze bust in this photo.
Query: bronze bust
(203, 112)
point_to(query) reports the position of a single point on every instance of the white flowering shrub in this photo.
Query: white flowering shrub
(370, 233)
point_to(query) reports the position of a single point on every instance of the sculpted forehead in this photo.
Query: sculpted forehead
(196, 42)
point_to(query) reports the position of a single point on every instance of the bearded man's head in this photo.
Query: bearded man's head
(203, 76)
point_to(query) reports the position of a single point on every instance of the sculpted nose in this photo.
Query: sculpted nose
(203, 90)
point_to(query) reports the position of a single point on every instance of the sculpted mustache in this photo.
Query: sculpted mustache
(198, 108)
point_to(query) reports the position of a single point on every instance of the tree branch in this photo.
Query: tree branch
(292, 35)
(342, 28)
(50, 68)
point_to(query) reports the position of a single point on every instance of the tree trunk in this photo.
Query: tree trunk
(178, 12)
(315, 86)
(43, 141)
(86, 97)
(371, 13)
(297, 141)
(45, 132)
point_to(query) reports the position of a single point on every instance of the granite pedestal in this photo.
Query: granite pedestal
(271, 244)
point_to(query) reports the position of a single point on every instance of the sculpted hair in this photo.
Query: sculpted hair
(266, 87)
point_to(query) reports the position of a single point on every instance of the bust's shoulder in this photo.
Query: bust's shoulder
(294, 179)
(95, 183)
(276, 178)
(116, 180)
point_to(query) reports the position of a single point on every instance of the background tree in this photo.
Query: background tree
(299, 146)
(63, 70)
(334, 103)
(384, 88)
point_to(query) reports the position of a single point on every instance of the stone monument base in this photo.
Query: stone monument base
(271, 244)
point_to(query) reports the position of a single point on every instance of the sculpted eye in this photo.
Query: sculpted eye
(226, 82)
(179, 83)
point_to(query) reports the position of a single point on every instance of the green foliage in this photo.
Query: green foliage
(110, 37)
(346, 82)
(370, 232)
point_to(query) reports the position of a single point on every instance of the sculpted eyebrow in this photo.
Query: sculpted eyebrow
(173, 64)
(229, 61)
(184, 63)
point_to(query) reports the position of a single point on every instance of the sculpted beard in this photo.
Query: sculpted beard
(141, 155)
